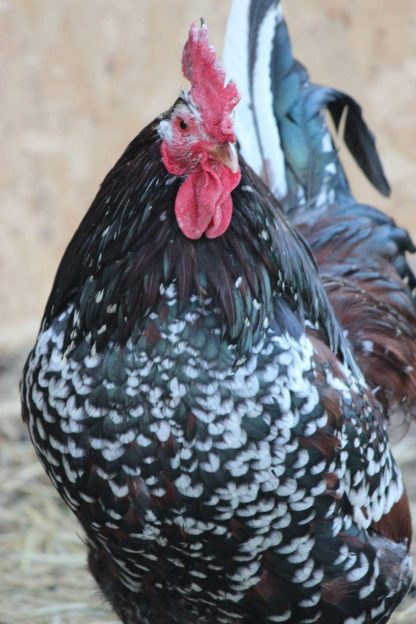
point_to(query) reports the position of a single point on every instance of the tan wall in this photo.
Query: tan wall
(79, 78)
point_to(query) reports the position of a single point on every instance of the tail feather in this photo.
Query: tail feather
(249, 38)
(280, 122)
(358, 138)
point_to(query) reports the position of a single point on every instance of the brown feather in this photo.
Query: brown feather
(396, 525)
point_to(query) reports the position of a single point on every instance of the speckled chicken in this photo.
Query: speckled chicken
(193, 399)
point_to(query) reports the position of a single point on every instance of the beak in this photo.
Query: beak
(226, 153)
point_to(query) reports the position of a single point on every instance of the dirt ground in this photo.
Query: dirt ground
(78, 80)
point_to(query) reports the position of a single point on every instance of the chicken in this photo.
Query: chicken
(193, 400)
(361, 253)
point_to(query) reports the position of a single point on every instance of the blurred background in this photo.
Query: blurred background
(78, 80)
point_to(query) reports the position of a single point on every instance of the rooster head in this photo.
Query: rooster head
(198, 142)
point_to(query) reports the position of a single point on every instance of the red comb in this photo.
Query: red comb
(215, 99)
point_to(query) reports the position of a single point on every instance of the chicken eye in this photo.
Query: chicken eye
(183, 125)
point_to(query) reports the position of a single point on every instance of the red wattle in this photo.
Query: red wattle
(203, 204)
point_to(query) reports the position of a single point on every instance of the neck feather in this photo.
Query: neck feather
(129, 248)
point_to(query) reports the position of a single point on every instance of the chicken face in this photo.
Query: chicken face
(186, 143)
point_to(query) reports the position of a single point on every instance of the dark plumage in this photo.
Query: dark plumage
(195, 404)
